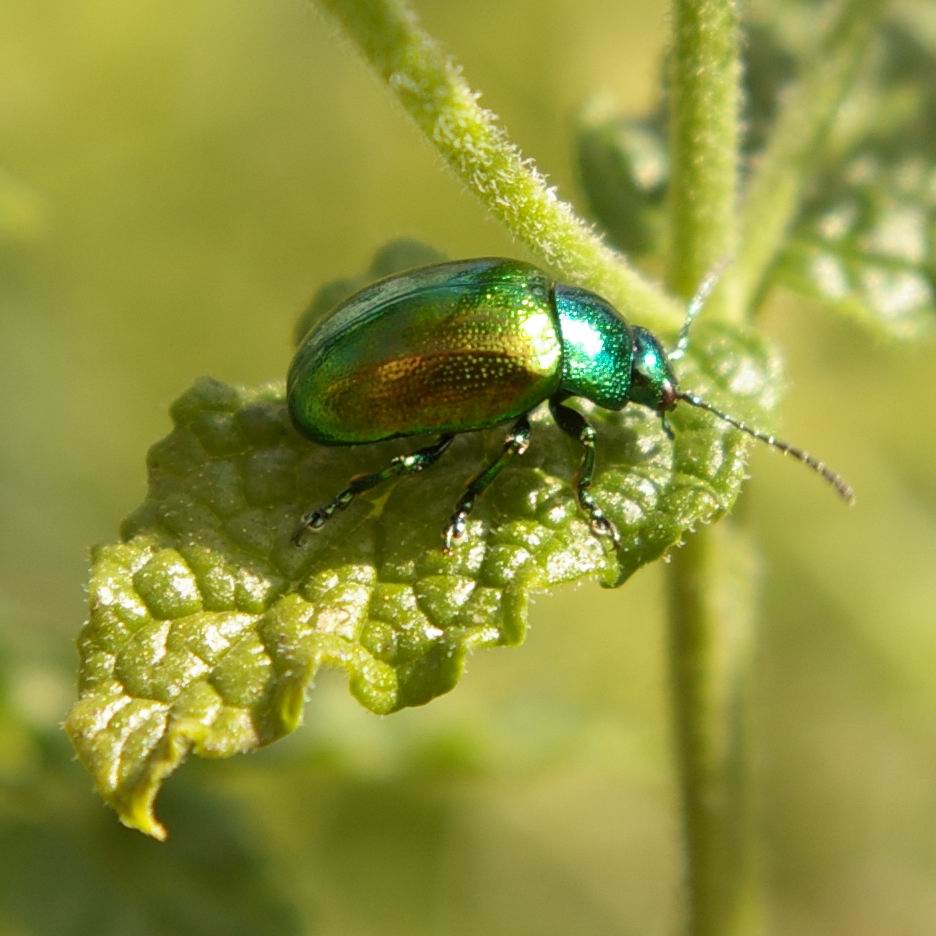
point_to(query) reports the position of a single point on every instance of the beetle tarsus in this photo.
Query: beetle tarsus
(401, 465)
(602, 526)
(455, 532)
(516, 443)
(574, 424)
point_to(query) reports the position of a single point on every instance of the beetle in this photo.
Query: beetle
(472, 344)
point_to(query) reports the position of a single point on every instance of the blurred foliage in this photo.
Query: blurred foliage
(199, 176)
(20, 211)
(104, 884)
(866, 242)
(623, 167)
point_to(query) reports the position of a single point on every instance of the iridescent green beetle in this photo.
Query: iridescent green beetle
(472, 344)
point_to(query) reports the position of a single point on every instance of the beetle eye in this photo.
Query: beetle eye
(644, 367)
(668, 397)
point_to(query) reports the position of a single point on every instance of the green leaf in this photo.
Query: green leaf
(770, 60)
(622, 166)
(208, 626)
(865, 243)
(866, 246)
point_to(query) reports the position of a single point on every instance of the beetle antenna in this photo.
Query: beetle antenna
(695, 307)
(842, 487)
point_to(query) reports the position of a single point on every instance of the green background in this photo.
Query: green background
(182, 179)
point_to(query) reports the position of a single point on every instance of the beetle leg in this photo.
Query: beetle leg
(516, 443)
(401, 465)
(573, 423)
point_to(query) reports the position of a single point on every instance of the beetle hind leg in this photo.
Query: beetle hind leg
(516, 443)
(573, 423)
(412, 463)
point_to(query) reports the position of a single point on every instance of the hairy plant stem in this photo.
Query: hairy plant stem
(431, 88)
(711, 619)
(712, 634)
(704, 132)
(708, 631)
(795, 144)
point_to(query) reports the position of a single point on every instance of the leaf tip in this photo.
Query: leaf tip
(139, 814)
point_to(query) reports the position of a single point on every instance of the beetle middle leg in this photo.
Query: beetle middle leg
(401, 465)
(573, 423)
(516, 443)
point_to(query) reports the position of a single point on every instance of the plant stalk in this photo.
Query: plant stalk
(710, 625)
(711, 598)
(705, 101)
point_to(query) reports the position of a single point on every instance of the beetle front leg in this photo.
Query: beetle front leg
(573, 423)
(516, 443)
(401, 465)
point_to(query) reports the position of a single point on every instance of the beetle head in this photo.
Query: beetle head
(653, 382)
